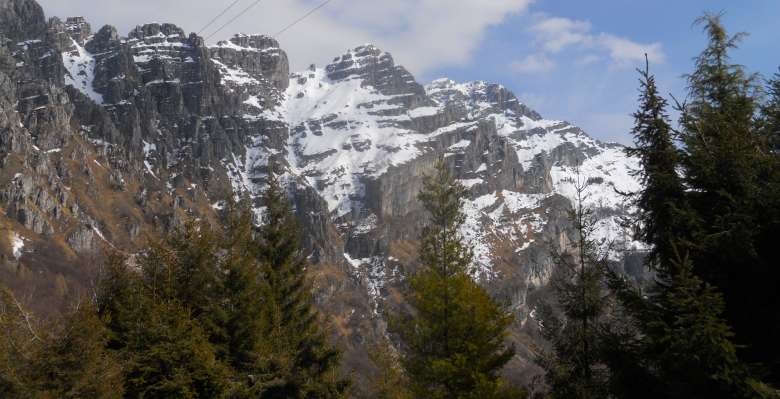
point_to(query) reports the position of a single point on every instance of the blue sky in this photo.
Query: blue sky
(600, 95)
(571, 60)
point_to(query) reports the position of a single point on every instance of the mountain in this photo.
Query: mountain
(108, 140)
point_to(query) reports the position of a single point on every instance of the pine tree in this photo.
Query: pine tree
(769, 208)
(165, 331)
(186, 267)
(242, 291)
(770, 116)
(299, 361)
(75, 362)
(169, 356)
(119, 299)
(726, 170)
(685, 346)
(676, 343)
(454, 340)
(575, 368)
(661, 201)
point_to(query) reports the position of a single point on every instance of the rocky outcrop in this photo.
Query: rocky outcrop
(257, 55)
(377, 69)
(21, 20)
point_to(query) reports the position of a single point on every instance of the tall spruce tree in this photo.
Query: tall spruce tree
(165, 324)
(74, 361)
(681, 346)
(724, 167)
(575, 367)
(769, 208)
(770, 115)
(455, 339)
(299, 361)
(242, 294)
(661, 220)
(678, 344)
(169, 356)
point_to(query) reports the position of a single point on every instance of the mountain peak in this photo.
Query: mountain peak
(255, 41)
(377, 68)
(358, 60)
(155, 29)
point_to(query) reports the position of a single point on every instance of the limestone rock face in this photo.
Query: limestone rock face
(258, 55)
(21, 20)
(108, 139)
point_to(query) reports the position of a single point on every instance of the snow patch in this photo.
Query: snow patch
(80, 71)
(17, 244)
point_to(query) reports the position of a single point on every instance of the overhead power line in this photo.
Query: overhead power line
(233, 19)
(218, 16)
(312, 11)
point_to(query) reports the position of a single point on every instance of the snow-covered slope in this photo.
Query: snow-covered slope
(348, 128)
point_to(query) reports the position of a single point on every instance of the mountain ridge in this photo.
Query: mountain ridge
(108, 140)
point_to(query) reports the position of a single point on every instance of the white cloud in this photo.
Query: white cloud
(533, 64)
(555, 34)
(624, 51)
(422, 34)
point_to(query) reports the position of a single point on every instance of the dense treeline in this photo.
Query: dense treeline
(708, 324)
(203, 313)
(228, 312)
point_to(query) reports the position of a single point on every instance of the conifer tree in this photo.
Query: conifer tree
(242, 292)
(186, 267)
(661, 201)
(454, 340)
(167, 333)
(730, 190)
(118, 299)
(169, 356)
(770, 115)
(299, 361)
(678, 344)
(575, 367)
(685, 345)
(75, 362)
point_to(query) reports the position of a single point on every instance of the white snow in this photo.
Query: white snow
(424, 111)
(17, 244)
(80, 66)
(460, 145)
(469, 183)
(353, 142)
(342, 132)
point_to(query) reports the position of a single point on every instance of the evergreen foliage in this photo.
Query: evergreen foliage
(297, 358)
(770, 115)
(733, 194)
(454, 341)
(236, 303)
(242, 294)
(661, 202)
(575, 367)
(75, 362)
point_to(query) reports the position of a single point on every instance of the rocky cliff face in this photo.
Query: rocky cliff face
(109, 139)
